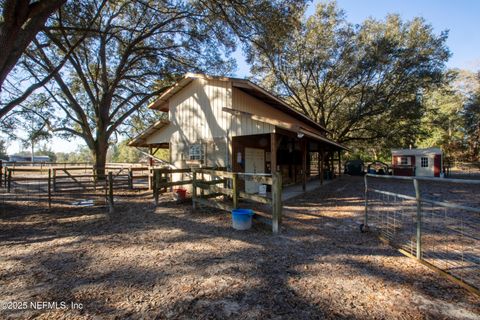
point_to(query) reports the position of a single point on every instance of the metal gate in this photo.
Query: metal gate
(410, 214)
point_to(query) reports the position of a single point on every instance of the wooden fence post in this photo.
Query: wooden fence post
(365, 223)
(235, 190)
(49, 188)
(9, 183)
(150, 178)
(5, 173)
(276, 201)
(54, 180)
(419, 218)
(194, 188)
(130, 178)
(110, 192)
(156, 184)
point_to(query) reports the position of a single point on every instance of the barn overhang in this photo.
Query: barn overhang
(141, 139)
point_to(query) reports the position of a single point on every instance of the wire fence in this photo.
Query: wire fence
(80, 186)
(435, 220)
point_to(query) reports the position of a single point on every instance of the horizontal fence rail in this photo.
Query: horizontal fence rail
(219, 189)
(76, 185)
(425, 220)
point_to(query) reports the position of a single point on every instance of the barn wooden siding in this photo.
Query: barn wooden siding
(245, 102)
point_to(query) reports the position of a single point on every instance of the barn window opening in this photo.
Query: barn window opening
(424, 162)
(195, 152)
(404, 161)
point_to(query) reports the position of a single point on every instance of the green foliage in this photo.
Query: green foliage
(121, 152)
(471, 118)
(83, 154)
(451, 119)
(363, 83)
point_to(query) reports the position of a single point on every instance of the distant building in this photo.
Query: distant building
(417, 162)
(18, 158)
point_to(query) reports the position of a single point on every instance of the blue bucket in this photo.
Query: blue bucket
(242, 219)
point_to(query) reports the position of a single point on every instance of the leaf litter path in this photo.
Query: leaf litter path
(171, 263)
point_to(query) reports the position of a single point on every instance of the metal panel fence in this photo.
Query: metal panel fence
(435, 220)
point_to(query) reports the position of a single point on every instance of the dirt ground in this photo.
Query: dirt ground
(172, 263)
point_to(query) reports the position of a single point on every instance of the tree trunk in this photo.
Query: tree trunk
(100, 158)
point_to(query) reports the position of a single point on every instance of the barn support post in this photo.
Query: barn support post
(1, 172)
(9, 183)
(194, 188)
(419, 218)
(304, 164)
(110, 192)
(276, 202)
(339, 163)
(49, 188)
(322, 165)
(273, 153)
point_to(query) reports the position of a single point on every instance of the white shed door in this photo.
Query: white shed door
(424, 166)
(254, 163)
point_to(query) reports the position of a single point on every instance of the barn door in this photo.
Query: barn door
(254, 163)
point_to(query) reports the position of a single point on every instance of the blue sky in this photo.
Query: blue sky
(460, 17)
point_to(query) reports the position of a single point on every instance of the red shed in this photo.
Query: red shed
(417, 162)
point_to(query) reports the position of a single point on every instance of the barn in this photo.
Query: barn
(235, 124)
(417, 162)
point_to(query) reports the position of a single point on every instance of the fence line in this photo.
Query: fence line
(217, 184)
(442, 235)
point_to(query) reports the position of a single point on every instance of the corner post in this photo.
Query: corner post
(276, 202)
(419, 218)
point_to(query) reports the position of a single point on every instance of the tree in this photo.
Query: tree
(471, 118)
(363, 83)
(132, 53)
(21, 21)
(442, 123)
(123, 153)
